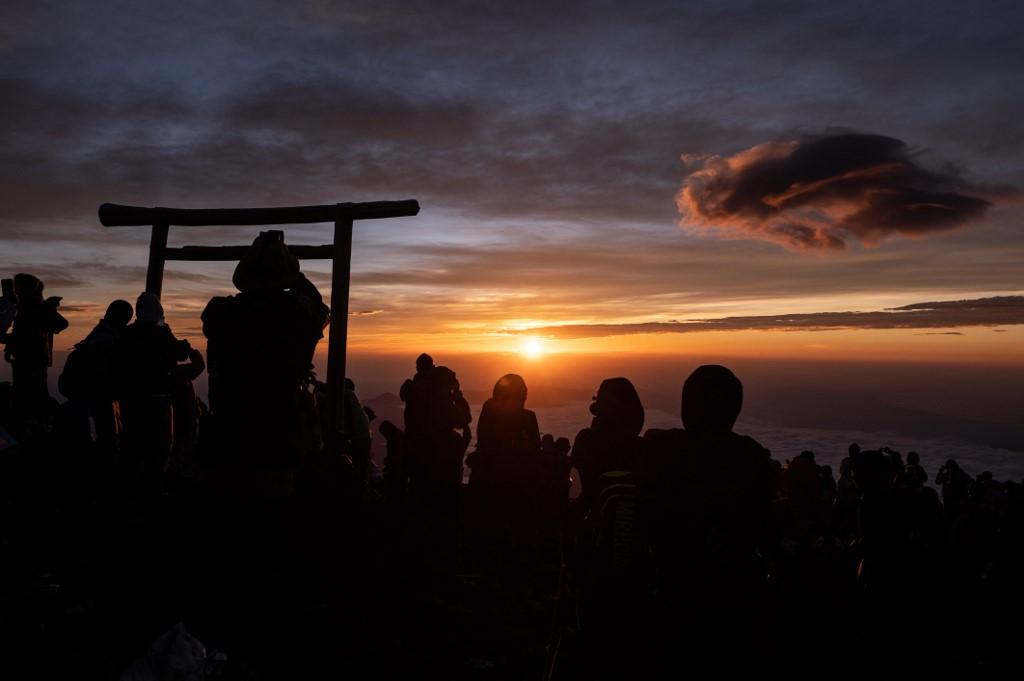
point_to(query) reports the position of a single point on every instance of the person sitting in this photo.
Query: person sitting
(706, 495)
(612, 442)
(506, 466)
(508, 438)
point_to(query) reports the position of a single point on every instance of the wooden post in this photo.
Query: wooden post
(155, 270)
(336, 346)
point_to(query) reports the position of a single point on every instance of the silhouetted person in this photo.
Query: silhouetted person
(506, 465)
(508, 438)
(706, 494)
(145, 362)
(415, 393)
(896, 464)
(29, 346)
(826, 485)
(914, 471)
(955, 485)
(800, 481)
(887, 535)
(260, 361)
(437, 443)
(612, 442)
(88, 381)
(434, 452)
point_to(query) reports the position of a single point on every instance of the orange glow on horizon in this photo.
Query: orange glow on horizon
(462, 328)
(533, 347)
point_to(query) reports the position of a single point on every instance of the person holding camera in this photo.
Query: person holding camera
(29, 346)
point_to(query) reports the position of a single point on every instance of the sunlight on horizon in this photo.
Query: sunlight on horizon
(532, 347)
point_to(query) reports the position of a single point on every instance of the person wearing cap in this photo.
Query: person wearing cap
(260, 345)
(144, 363)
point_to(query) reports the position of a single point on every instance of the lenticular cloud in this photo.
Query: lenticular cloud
(823, 193)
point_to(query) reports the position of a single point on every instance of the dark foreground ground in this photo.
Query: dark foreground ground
(91, 576)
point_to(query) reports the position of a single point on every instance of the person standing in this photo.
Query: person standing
(29, 347)
(87, 381)
(145, 360)
(260, 358)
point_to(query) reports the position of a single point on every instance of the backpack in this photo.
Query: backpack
(78, 379)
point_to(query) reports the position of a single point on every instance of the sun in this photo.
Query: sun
(533, 347)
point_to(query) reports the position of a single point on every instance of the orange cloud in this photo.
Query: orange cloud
(823, 193)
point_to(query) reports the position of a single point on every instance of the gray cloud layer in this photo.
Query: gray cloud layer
(996, 311)
(580, 110)
(576, 113)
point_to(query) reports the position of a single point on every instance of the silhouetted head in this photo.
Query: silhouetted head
(872, 471)
(350, 384)
(712, 400)
(952, 464)
(547, 441)
(424, 363)
(444, 379)
(148, 308)
(807, 454)
(27, 288)
(618, 407)
(854, 449)
(510, 392)
(562, 445)
(913, 458)
(266, 265)
(119, 313)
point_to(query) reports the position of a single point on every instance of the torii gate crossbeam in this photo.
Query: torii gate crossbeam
(339, 252)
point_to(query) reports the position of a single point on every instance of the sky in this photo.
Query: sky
(797, 180)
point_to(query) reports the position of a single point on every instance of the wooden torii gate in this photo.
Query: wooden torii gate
(339, 252)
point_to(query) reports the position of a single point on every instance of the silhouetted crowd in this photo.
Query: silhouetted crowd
(687, 551)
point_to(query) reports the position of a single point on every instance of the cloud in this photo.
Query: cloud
(1000, 310)
(823, 193)
(365, 313)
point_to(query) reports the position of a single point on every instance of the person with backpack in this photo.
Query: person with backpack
(612, 442)
(87, 381)
(435, 452)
